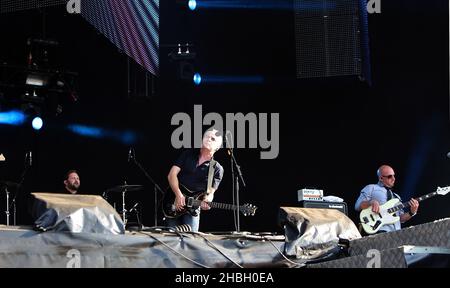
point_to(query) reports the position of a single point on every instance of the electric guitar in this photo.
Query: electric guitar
(372, 222)
(193, 202)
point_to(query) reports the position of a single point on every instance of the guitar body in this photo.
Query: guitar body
(192, 200)
(372, 222)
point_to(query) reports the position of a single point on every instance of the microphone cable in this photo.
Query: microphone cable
(175, 251)
(212, 245)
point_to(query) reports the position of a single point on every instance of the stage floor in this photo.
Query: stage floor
(24, 247)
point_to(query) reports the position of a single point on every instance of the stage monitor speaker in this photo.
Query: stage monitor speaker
(341, 206)
(332, 38)
(313, 233)
(75, 213)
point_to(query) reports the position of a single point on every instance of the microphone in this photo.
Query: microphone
(228, 143)
(30, 161)
(134, 208)
(448, 155)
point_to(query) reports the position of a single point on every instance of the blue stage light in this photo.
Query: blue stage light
(197, 79)
(12, 118)
(127, 137)
(88, 131)
(192, 4)
(230, 79)
(37, 123)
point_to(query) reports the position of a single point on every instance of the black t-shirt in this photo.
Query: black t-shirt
(65, 191)
(196, 178)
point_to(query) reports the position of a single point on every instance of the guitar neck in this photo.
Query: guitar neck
(406, 204)
(218, 205)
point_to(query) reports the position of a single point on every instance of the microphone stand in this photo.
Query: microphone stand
(19, 187)
(237, 175)
(155, 185)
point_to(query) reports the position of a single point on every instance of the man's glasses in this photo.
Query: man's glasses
(388, 176)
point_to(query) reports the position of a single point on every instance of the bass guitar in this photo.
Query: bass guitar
(372, 222)
(193, 202)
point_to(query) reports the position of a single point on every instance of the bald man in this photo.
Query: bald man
(376, 195)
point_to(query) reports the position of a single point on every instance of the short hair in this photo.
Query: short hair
(66, 176)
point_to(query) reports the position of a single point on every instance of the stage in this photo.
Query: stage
(305, 95)
(424, 245)
(21, 247)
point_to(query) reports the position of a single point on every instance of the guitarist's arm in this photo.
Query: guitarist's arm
(174, 185)
(367, 200)
(414, 206)
(374, 203)
(209, 196)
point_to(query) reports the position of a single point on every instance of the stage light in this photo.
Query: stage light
(230, 79)
(126, 137)
(37, 123)
(88, 131)
(12, 118)
(37, 80)
(197, 79)
(192, 4)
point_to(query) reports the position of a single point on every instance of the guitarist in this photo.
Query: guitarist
(191, 169)
(376, 195)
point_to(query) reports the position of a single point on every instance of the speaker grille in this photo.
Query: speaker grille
(329, 38)
(341, 206)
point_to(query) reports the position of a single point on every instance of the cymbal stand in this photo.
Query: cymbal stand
(7, 206)
(14, 211)
(124, 211)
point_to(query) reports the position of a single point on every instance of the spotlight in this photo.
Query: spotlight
(12, 118)
(192, 4)
(34, 79)
(197, 79)
(37, 123)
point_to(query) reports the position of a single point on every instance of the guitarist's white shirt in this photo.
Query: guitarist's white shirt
(378, 192)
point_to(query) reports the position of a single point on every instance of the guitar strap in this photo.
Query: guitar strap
(212, 166)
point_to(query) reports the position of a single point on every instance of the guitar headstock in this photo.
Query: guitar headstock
(248, 209)
(443, 190)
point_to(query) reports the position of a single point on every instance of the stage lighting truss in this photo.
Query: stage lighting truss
(40, 84)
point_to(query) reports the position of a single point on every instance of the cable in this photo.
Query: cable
(281, 253)
(212, 245)
(176, 252)
(217, 249)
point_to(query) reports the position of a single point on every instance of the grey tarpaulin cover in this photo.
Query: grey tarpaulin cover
(311, 232)
(23, 247)
(75, 213)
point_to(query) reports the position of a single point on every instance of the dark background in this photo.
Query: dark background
(334, 133)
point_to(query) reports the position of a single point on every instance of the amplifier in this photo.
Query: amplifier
(310, 195)
(341, 206)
